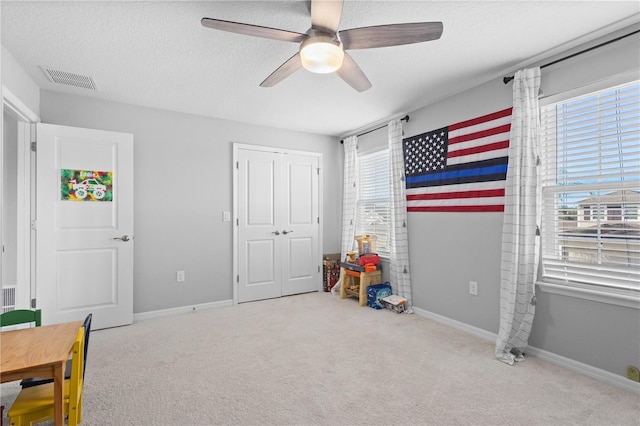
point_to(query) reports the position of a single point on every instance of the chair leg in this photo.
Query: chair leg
(75, 413)
(74, 417)
(15, 421)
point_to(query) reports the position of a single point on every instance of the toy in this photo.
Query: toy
(371, 258)
(331, 275)
(375, 293)
(394, 303)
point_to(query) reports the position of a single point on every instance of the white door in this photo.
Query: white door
(259, 247)
(84, 225)
(300, 222)
(277, 224)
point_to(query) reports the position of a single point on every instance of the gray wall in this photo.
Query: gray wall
(183, 183)
(447, 250)
(9, 201)
(18, 82)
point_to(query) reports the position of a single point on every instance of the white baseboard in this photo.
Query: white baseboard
(586, 369)
(144, 316)
(475, 331)
(569, 364)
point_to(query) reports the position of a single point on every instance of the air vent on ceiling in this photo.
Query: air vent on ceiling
(69, 78)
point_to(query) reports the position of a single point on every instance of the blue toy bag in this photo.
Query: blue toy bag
(375, 293)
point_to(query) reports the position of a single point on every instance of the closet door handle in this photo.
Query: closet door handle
(276, 232)
(285, 232)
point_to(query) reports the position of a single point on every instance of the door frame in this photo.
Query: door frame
(241, 146)
(26, 119)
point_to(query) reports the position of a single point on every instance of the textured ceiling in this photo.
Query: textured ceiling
(157, 54)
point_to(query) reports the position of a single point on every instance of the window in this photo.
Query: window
(614, 212)
(591, 190)
(373, 208)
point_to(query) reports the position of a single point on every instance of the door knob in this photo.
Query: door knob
(276, 232)
(124, 238)
(285, 232)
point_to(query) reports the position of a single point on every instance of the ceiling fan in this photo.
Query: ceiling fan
(322, 47)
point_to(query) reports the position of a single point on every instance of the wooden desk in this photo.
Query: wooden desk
(39, 352)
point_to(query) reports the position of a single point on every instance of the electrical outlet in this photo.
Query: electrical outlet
(226, 216)
(179, 276)
(473, 288)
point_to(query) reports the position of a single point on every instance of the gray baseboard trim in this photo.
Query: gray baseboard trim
(144, 316)
(569, 364)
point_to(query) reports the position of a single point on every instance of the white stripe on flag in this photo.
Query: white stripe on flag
(500, 137)
(487, 201)
(480, 127)
(496, 153)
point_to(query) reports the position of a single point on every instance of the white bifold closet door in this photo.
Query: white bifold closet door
(278, 251)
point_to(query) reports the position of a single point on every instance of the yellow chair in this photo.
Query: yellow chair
(35, 404)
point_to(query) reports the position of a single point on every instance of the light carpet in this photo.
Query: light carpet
(316, 359)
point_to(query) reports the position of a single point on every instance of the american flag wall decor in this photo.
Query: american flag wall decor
(459, 168)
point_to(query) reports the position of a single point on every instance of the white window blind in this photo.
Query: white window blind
(591, 189)
(373, 214)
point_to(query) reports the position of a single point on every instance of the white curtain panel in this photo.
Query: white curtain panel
(349, 194)
(399, 276)
(519, 242)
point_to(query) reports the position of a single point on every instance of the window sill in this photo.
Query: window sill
(596, 295)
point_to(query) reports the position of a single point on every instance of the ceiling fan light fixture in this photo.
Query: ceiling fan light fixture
(321, 54)
(322, 47)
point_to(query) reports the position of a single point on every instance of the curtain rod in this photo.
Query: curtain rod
(508, 79)
(405, 118)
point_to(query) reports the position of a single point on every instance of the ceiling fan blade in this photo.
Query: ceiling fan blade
(352, 74)
(253, 30)
(390, 35)
(285, 70)
(325, 15)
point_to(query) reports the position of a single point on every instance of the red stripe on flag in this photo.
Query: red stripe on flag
(478, 120)
(483, 134)
(459, 194)
(461, 209)
(479, 149)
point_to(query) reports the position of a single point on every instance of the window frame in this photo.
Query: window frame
(382, 244)
(621, 297)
